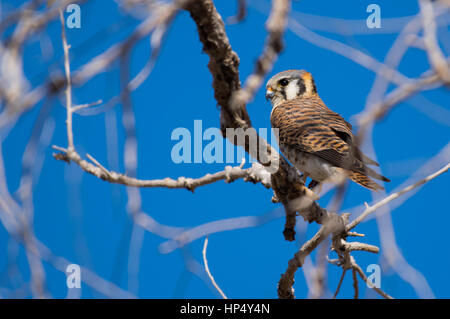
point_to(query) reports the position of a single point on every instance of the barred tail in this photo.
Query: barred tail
(370, 172)
(365, 181)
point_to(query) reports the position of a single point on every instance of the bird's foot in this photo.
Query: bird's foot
(303, 177)
(315, 186)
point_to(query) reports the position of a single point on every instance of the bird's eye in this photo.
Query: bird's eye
(284, 82)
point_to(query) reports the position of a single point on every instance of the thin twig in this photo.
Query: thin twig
(355, 284)
(68, 90)
(344, 271)
(83, 106)
(241, 13)
(205, 262)
(357, 268)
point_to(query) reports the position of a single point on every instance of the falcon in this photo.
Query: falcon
(316, 140)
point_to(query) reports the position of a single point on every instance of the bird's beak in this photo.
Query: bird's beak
(269, 93)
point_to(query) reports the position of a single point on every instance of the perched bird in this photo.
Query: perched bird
(316, 140)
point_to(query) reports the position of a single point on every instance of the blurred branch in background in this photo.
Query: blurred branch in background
(18, 96)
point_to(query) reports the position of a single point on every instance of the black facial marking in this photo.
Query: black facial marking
(301, 86)
(283, 92)
(314, 88)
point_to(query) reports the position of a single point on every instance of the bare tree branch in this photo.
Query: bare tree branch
(435, 55)
(339, 227)
(254, 174)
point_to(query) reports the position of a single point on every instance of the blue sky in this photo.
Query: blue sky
(84, 219)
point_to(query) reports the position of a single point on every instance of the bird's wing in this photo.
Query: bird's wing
(343, 130)
(309, 126)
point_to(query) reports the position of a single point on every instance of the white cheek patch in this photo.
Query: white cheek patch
(291, 90)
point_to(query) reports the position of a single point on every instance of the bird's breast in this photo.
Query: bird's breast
(311, 165)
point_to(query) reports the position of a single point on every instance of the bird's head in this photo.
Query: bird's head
(289, 85)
